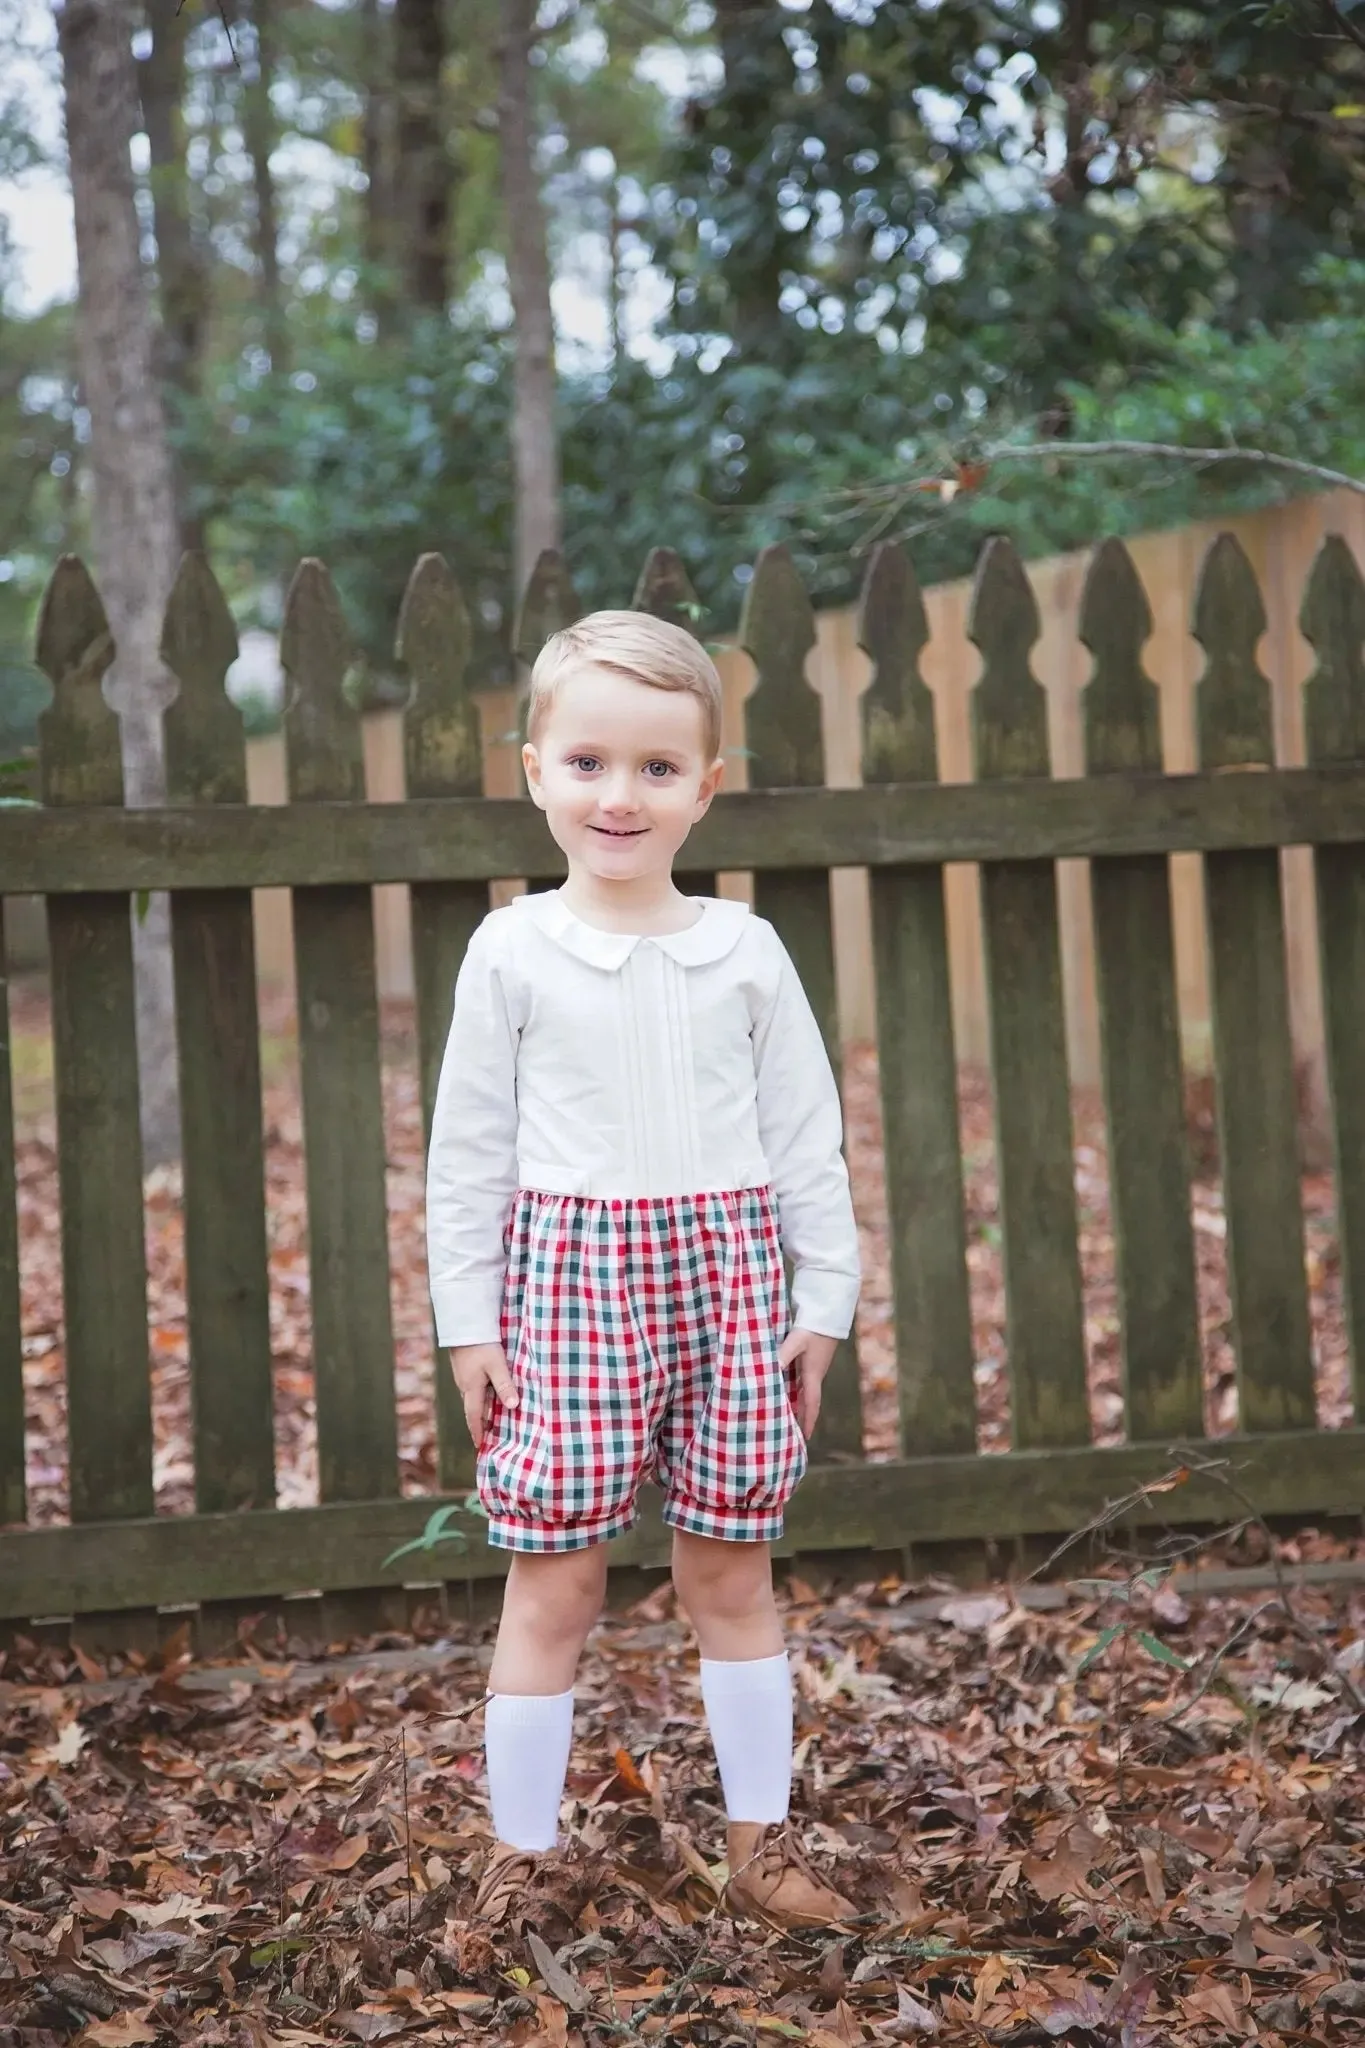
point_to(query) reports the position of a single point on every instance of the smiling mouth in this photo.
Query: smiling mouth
(629, 832)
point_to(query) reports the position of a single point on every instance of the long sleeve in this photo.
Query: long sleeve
(800, 1125)
(472, 1158)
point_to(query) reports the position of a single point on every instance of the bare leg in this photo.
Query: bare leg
(727, 1592)
(551, 1603)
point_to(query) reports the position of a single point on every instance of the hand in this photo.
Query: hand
(481, 1372)
(813, 1355)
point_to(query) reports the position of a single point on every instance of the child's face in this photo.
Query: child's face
(621, 773)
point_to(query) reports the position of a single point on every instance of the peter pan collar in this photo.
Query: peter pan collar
(715, 933)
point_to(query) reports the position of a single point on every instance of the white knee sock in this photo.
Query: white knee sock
(526, 1740)
(749, 1710)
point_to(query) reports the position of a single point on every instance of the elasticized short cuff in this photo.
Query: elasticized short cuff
(726, 1525)
(505, 1533)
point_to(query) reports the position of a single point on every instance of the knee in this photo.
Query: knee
(729, 1582)
(560, 1595)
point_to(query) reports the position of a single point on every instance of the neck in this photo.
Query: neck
(645, 903)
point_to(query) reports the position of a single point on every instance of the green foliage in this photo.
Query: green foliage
(893, 233)
(1299, 392)
(260, 715)
(39, 513)
(442, 1526)
(367, 454)
(24, 695)
(372, 454)
(1010, 185)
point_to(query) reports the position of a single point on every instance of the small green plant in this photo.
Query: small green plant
(16, 779)
(441, 1527)
(1126, 1592)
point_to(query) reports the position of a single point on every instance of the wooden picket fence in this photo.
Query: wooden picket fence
(90, 859)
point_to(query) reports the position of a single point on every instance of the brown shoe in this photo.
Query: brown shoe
(506, 1876)
(771, 1880)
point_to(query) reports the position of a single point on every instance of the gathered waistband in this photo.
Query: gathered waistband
(602, 1188)
(535, 1178)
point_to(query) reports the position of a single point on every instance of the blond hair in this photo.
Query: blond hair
(633, 644)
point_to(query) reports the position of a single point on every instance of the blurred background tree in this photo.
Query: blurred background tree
(449, 273)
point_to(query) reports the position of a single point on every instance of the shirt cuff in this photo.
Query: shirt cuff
(824, 1300)
(467, 1311)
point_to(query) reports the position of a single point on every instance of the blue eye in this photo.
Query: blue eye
(667, 767)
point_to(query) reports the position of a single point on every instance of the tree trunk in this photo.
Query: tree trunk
(134, 513)
(377, 152)
(258, 132)
(180, 266)
(535, 444)
(422, 187)
(616, 295)
(748, 33)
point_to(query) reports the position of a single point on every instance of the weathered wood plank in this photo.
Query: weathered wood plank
(12, 1487)
(1253, 1044)
(94, 1051)
(786, 750)
(444, 759)
(1028, 1034)
(665, 590)
(548, 603)
(1140, 1030)
(1333, 620)
(214, 950)
(917, 1061)
(770, 831)
(343, 1115)
(167, 1559)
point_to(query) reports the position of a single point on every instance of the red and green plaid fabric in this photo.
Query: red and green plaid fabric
(643, 1339)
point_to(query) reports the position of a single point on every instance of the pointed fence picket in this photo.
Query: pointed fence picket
(1028, 1034)
(1140, 1031)
(787, 751)
(548, 604)
(343, 1116)
(665, 590)
(444, 759)
(94, 1054)
(218, 1036)
(1253, 1043)
(916, 1059)
(93, 860)
(1333, 620)
(13, 1478)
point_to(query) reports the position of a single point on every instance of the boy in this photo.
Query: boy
(635, 1116)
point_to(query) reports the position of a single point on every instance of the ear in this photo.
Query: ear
(530, 761)
(710, 783)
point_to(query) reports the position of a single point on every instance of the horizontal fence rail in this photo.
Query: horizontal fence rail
(182, 1559)
(426, 839)
(93, 860)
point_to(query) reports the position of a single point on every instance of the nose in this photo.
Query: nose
(616, 793)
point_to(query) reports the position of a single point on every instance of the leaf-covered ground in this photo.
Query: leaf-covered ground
(1163, 1845)
(1133, 1819)
(295, 1429)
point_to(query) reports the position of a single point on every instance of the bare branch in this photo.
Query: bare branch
(1345, 22)
(894, 494)
(1330, 1666)
(1173, 451)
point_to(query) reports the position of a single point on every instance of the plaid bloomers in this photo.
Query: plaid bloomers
(642, 1336)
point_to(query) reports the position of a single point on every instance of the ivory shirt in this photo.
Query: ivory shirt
(612, 1066)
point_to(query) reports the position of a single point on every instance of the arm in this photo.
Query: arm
(472, 1158)
(800, 1123)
